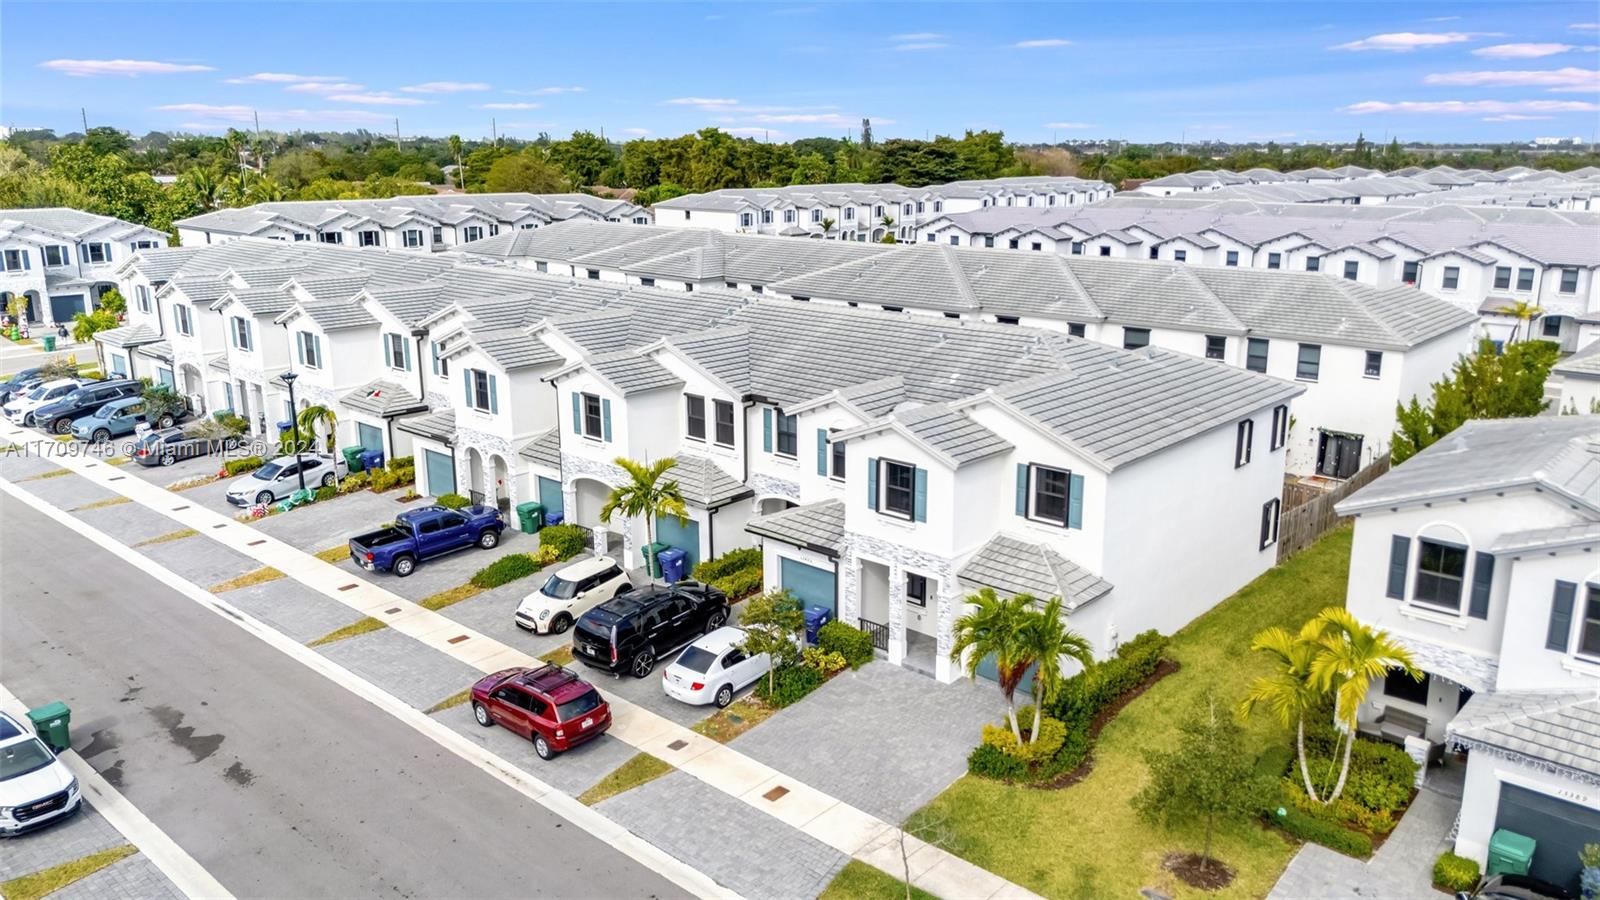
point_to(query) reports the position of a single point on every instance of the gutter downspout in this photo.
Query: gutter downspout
(422, 391)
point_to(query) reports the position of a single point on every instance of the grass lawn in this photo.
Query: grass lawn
(626, 777)
(726, 724)
(169, 537)
(40, 884)
(334, 554)
(859, 881)
(1085, 841)
(365, 626)
(258, 576)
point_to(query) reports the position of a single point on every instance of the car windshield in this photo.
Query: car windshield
(23, 757)
(268, 471)
(559, 588)
(696, 659)
(107, 411)
(38, 393)
(586, 702)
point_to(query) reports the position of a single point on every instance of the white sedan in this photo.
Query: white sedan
(713, 669)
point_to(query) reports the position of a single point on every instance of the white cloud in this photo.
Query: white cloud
(509, 105)
(1443, 19)
(239, 113)
(126, 68)
(234, 113)
(1066, 125)
(1522, 51)
(1473, 107)
(282, 78)
(703, 102)
(1567, 80)
(835, 119)
(1405, 41)
(925, 45)
(917, 36)
(445, 87)
(1513, 117)
(771, 133)
(636, 132)
(1584, 26)
(325, 87)
(379, 98)
(1042, 42)
(548, 91)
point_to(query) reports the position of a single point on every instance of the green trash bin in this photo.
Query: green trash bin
(51, 722)
(49, 342)
(1510, 853)
(530, 517)
(651, 562)
(352, 458)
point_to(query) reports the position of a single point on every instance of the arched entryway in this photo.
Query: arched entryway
(193, 386)
(768, 505)
(474, 475)
(501, 484)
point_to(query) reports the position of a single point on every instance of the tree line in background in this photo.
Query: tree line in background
(110, 172)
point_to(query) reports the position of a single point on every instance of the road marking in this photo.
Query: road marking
(591, 821)
(189, 876)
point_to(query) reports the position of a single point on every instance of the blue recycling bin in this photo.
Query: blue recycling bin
(553, 518)
(371, 459)
(672, 562)
(816, 617)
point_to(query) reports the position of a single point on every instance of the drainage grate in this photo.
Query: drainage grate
(117, 478)
(391, 611)
(776, 793)
(457, 639)
(349, 587)
(180, 508)
(254, 543)
(678, 744)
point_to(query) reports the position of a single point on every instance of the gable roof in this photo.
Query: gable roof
(815, 526)
(704, 484)
(1013, 566)
(383, 398)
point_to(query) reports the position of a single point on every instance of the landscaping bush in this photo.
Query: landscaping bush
(327, 493)
(793, 683)
(402, 462)
(505, 570)
(823, 661)
(235, 424)
(546, 556)
(1342, 811)
(1382, 776)
(1052, 735)
(1083, 695)
(989, 761)
(352, 483)
(740, 584)
(736, 573)
(846, 640)
(568, 540)
(1455, 873)
(241, 466)
(392, 477)
(1307, 827)
(453, 501)
(1275, 760)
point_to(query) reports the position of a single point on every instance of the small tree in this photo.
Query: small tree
(995, 628)
(86, 325)
(1524, 312)
(1046, 639)
(771, 623)
(161, 401)
(1209, 777)
(827, 226)
(113, 302)
(1353, 655)
(1486, 385)
(647, 494)
(319, 420)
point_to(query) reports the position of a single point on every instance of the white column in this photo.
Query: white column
(849, 569)
(944, 670)
(897, 614)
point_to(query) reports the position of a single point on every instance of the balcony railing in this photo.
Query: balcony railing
(879, 632)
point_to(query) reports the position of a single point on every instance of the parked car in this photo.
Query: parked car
(115, 419)
(281, 477)
(713, 669)
(21, 382)
(35, 787)
(569, 593)
(629, 632)
(165, 446)
(57, 416)
(20, 409)
(1516, 887)
(418, 534)
(550, 706)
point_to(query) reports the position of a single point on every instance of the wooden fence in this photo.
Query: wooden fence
(1301, 524)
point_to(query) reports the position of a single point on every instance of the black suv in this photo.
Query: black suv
(58, 417)
(629, 632)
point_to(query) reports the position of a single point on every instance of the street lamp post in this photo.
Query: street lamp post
(288, 378)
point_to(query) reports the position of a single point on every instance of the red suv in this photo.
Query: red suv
(554, 708)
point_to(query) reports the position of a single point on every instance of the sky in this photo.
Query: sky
(1287, 71)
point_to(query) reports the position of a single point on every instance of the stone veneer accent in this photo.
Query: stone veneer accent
(575, 466)
(900, 559)
(489, 446)
(768, 486)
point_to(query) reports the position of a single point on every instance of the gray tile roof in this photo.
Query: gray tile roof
(128, 336)
(704, 484)
(383, 398)
(438, 426)
(1560, 454)
(505, 209)
(815, 526)
(1584, 364)
(332, 315)
(67, 222)
(1012, 566)
(952, 434)
(514, 348)
(632, 373)
(1552, 538)
(544, 450)
(1557, 728)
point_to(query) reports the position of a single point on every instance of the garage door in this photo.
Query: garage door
(685, 537)
(811, 585)
(371, 436)
(441, 473)
(550, 496)
(63, 308)
(989, 671)
(1560, 828)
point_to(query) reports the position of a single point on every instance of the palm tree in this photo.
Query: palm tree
(455, 150)
(203, 182)
(827, 226)
(995, 628)
(1288, 691)
(1046, 639)
(646, 494)
(265, 189)
(1352, 656)
(1523, 312)
(314, 417)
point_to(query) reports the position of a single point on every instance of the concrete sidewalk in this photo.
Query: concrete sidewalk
(1402, 869)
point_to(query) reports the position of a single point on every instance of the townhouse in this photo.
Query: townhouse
(61, 260)
(1478, 555)
(1357, 186)
(865, 212)
(424, 223)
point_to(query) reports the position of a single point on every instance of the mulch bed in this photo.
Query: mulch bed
(1068, 779)
(1186, 866)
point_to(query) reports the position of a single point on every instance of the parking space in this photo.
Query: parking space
(490, 613)
(135, 876)
(318, 526)
(573, 772)
(129, 523)
(293, 609)
(884, 738)
(85, 833)
(201, 560)
(441, 572)
(67, 491)
(413, 672)
(182, 470)
(21, 464)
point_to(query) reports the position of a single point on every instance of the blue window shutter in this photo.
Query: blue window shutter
(822, 451)
(316, 345)
(300, 348)
(494, 402)
(433, 350)
(1022, 489)
(872, 483)
(405, 344)
(1560, 617)
(1399, 556)
(577, 413)
(605, 418)
(766, 430)
(466, 382)
(1482, 580)
(25, 264)
(1074, 501)
(919, 497)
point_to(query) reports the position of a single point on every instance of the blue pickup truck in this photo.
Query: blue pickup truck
(418, 534)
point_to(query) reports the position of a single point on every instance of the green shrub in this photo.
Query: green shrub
(740, 584)
(988, 761)
(452, 501)
(1332, 835)
(235, 424)
(505, 570)
(709, 570)
(568, 540)
(402, 462)
(545, 556)
(793, 684)
(241, 466)
(846, 640)
(1382, 776)
(1275, 760)
(353, 483)
(1455, 873)
(327, 493)
(823, 661)
(1083, 695)
(1342, 811)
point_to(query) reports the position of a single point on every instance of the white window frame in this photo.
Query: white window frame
(308, 349)
(479, 379)
(411, 238)
(394, 351)
(1034, 481)
(183, 319)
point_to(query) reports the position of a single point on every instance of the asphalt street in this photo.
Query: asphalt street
(278, 781)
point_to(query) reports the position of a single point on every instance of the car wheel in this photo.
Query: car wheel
(61, 426)
(168, 459)
(489, 539)
(715, 621)
(404, 566)
(542, 747)
(560, 624)
(264, 497)
(481, 714)
(101, 435)
(724, 696)
(643, 663)
(328, 480)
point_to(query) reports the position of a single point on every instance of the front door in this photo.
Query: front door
(1338, 455)
(441, 473)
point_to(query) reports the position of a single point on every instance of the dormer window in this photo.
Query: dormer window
(471, 233)
(411, 238)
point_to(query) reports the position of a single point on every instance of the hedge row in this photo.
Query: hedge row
(1307, 827)
(505, 570)
(737, 573)
(846, 640)
(566, 540)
